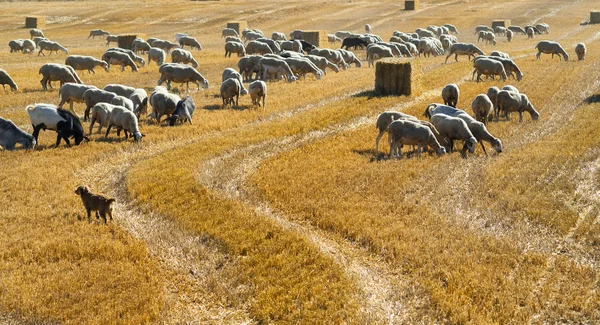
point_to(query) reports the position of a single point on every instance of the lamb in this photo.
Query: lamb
(139, 45)
(230, 89)
(231, 73)
(322, 63)
(11, 134)
(450, 94)
(274, 46)
(72, 93)
(139, 97)
(235, 47)
(302, 66)
(377, 52)
(95, 202)
(29, 46)
(100, 113)
(277, 36)
(111, 39)
(332, 39)
(275, 66)
(500, 54)
(530, 32)
(123, 102)
(181, 74)
(477, 128)
(114, 57)
(98, 32)
(36, 33)
(124, 119)
(451, 28)
(184, 111)
(57, 72)
(81, 62)
(5, 79)
(183, 56)
(549, 47)
(257, 47)
(15, 46)
(517, 29)
(463, 49)
(293, 45)
(580, 50)
(120, 90)
(189, 41)
(229, 32)
(50, 46)
(509, 101)
(543, 27)
(249, 65)
(509, 35)
(157, 55)
(164, 45)
(258, 93)
(401, 132)
(488, 67)
(482, 107)
(334, 56)
(94, 96)
(454, 128)
(163, 103)
(48, 117)
(132, 55)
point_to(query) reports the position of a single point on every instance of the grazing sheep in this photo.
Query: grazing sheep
(509, 101)
(100, 113)
(511, 88)
(348, 58)
(510, 67)
(500, 30)
(517, 30)
(332, 39)
(257, 47)
(424, 33)
(275, 66)
(333, 56)
(385, 119)
(50, 46)
(482, 107)
(489, 37)
(488, 67)
(48, 117)
(483, 28)
(132, 55)
(288, 54)
(157, 55)
(450, 94)
(277, 36)
(273, 45)
(549, 47)
(231, 73)
(57, 72)
(165, 45)
(95, 202)
(500, 54)
(139, 97)
(258, 93)
(125, 120)
(139, 45)
(36, 33)
(235, 47)
(120, 90)
(29, 46)
(492, 92)
(251, 36)
(123, 102)
(183, 56)
(322, 63)
(112, 39)
(454, 128)
(190, 41)
(534, 29)
(402, 131)
(11, 134)
(151, 40)
(302, 66)
(529, 32)
(376, 52)
(72, 93)
(233, 39)
(249, 65)
(230, 89)
(163, 103)
(5, 79)
(183, 112)
(81, 62)
(580, 50)
(181, 74)
(451, 28)
(123, 59)
(16, 45)
(37, 40)
(509, 35)
(94, 96)
(293, 45)
(463, 49)
(98, 32)
(229, 32)
(296, 34)
(543, 27)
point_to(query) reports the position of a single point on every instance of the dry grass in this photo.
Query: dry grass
(509, 239)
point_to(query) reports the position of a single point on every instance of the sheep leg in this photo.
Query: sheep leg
(36, 130)
(483, 147)
(377, 141)
(58, 137)
(419, 149)
(520, 116)
(92, 124)
(103, 215)
(89, 214)
(108, 130)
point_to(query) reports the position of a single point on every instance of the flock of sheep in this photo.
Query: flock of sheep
(263, 59)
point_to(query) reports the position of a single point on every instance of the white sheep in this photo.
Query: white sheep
(509, 101)
(179, 73)
(348, 57)
(123, 101)
(509, 35)
(36, 33)
(137, 59)
(549, 47)
(258, 93)
(256, 47)
(450, 94)
(530, 32)
(120, 58)
(543, 27)
(451, 28)
(98, 32)
(510, 88)
(157, 55)
(50, 46)
(189, 41)
(229, 32)
(235, 47)
(230, 89)
(11, 134)
(250, 65)
(139, 45)
(500, 54)
(463, 49)
(125, 120)
(376, 52)
(100, 113)
(57, 72)
(401, 132)
(331, 55)
(183, 56)
(302, 66)
(488, 67)
(112, 39)
(277, 36)
(94, 96)
(139, 97)
(482, 107)
(162, 102)
(293, 45)
(82, 62)
(275, 66)
(16, 45)
(72, 93)
(184, 111)
(580, 50)
(119, 89)
(231, 73)
(5, 79)
(322, 63)
(454, 128)
(29, 46)
(296, 34)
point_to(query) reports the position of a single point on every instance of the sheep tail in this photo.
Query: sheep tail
(29, 107)
(428, 110)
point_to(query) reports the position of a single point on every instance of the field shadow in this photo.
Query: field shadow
(367, 93)
(371, 154)
(593, 99)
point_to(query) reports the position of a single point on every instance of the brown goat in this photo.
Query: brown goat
(95, 202)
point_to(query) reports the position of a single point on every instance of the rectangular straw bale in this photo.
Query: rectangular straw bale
(393, 77)
(594, 17)
(35, 22)
(317, 38)
(411, 5)
(501, 22)
(238, 26)
(126, 41)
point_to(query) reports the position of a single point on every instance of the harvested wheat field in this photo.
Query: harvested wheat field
(287, 214)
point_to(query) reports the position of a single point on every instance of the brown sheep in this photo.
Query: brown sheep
(95, 202)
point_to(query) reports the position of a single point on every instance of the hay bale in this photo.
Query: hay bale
(317, 38)
(500, 22)
(35, 22)
(126, 41)
(238, 26)
(594, 17)
(393, 77)
(411, 5)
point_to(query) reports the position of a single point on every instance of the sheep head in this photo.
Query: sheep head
(470, 143)
(497, 145)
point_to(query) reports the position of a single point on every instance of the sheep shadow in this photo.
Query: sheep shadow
(221, 107)
(366, 93)
(371, 154)
(593, 99)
